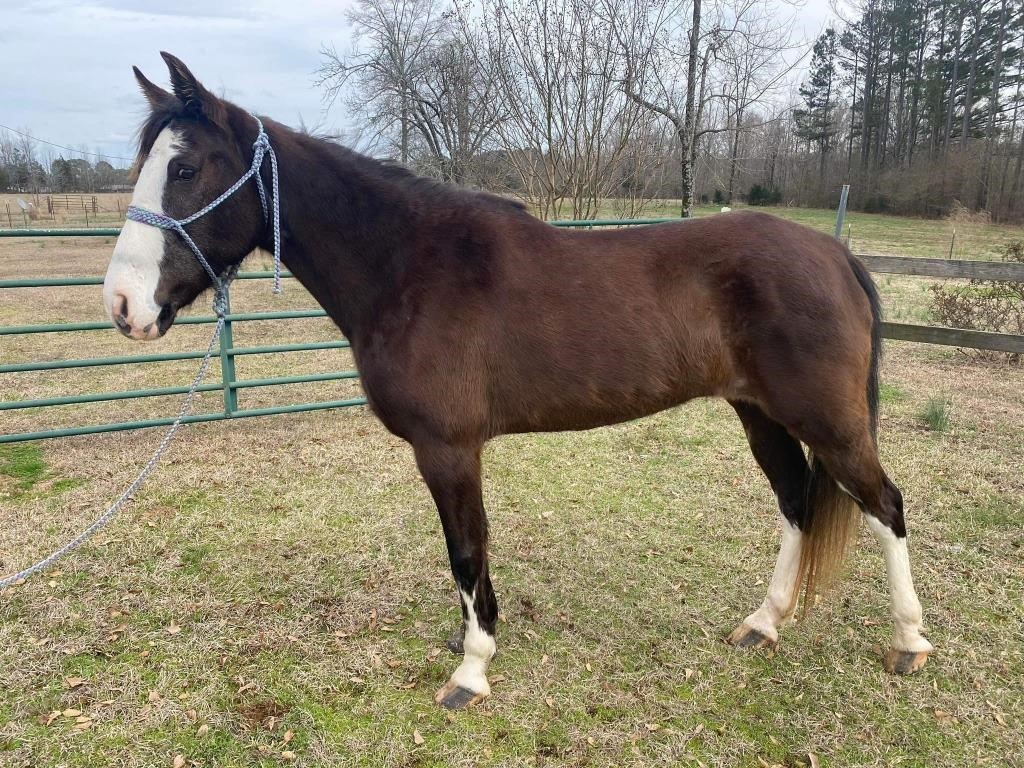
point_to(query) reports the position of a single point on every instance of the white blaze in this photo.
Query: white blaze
(134, 269)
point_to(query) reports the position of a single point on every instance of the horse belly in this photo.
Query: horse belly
(591, 387)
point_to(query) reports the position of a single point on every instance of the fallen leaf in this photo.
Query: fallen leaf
(814, 760)
(203, 730)
(173, 629)
(417, 738)
(550, 702)
(154, 696)
(83, 719)
(288, 755)
(53, 716)
(71, 712)
(73, 682)
(999, 718)
(288, 736)
(688, 673)
(589, 668)
(652, 727)
(498, 679)
(179, 761)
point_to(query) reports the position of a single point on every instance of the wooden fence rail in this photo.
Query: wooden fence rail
(953, 337)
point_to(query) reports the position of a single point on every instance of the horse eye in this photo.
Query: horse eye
(186, 174)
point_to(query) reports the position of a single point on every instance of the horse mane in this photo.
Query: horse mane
(404, 177)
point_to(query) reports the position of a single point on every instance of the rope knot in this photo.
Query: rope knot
(220, 301)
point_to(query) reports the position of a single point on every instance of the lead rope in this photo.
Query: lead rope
(220, 305)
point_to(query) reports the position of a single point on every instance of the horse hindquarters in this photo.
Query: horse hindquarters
(820, 386)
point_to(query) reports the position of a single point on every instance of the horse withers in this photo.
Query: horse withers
(469, 318)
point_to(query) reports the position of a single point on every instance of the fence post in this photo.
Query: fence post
(227, 362)
(841, 213)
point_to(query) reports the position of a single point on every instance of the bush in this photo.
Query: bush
(719, 198)
(877, 203)
(984, 305)
(760, 195)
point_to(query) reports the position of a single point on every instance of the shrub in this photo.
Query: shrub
(718, 198)
(761, 195)
(984, 305)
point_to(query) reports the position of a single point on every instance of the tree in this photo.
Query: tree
(815, 122)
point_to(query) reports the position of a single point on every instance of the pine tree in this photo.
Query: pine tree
(816, 122)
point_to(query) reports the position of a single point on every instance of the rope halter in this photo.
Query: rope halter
(261, 149)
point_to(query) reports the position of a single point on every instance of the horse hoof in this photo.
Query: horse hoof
(897, 662)
(454, 643)
(745, 636)
(453, 696)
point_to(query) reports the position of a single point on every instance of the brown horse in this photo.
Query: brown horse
(469, 318)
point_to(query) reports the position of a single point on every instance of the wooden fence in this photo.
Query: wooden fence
(943, 268)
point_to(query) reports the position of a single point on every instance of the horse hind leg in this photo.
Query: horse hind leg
(782, 460)
(859, 473)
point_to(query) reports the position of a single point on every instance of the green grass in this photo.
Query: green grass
(22, 463)
(935, 413)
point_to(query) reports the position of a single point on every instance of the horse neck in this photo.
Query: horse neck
(343, 222)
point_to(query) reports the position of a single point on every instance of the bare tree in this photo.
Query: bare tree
(567, 124)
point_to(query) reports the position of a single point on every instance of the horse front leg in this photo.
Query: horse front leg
(452, 473)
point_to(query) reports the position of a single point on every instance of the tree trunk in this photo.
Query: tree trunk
(965, 128)
(984, 193)
(686, 169)
(916, 92)
(952, 85)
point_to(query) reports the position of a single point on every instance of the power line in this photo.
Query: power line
(61, 146)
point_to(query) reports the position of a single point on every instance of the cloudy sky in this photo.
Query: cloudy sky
(67, 65)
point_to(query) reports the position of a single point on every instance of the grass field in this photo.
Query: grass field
(279, 592)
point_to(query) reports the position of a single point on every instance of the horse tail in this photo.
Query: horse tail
(832, 514)
(868, 286)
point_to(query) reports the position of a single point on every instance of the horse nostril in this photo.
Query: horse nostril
(120, 313)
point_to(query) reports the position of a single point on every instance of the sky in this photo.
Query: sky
(66, 66)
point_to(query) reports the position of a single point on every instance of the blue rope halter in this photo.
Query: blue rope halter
(261, 148)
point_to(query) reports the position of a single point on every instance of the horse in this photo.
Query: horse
(469, 318)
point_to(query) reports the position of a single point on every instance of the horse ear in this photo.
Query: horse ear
(158, 98)
(191, 92)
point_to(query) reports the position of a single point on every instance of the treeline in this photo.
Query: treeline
(915, 103)
(28, 167)
(918, 103)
